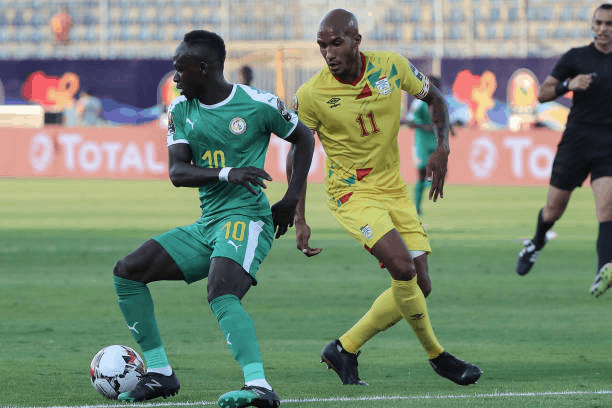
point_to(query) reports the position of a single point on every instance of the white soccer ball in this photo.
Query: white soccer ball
(116, 369)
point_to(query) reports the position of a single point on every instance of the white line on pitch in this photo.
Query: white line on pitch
(346, 399)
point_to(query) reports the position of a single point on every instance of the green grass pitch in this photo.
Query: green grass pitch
(541, 340)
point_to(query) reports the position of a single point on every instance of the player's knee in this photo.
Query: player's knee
(425, 288)
(552, 213)
(123, 270)
(401, 268)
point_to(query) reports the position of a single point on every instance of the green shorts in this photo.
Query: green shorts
(244, 239)
(424, 146)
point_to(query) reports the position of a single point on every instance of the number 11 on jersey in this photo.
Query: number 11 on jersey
(364, 130)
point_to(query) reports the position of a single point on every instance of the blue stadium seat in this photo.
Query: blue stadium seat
(159, 34)
(583, 14)
(415, 14)
(546, 13)
(455, 33)
(492, 32)
(38, 20)
(4, 34)
(456, 15)
(513, 14)
(89, 20)
(3, 20)
(532, 13)
(508, 32)
(418, 34)
(541, 33)
(566, 14)
(477, 14)
(18, 20)
(494, 14)
(124, 34)
(91, 34)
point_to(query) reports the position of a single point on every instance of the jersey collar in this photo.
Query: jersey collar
(223, 102)
(363, 69)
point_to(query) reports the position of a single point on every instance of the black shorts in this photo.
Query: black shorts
(582, 150)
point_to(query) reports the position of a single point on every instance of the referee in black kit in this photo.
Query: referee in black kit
(586, 145)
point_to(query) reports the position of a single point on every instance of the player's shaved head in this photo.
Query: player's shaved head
(340, 20)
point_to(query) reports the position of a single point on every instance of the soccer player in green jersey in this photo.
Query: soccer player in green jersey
(218, 135)
(425, 141)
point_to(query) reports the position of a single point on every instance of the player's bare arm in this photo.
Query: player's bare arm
(283, 212)
(302, 230)
(437, 164)
(184, 174)
(552, 88)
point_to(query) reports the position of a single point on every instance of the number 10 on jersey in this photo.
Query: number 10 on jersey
(217, 158)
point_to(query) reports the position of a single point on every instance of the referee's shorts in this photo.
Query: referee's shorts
(582, 150)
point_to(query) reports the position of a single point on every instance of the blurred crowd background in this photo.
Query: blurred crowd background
(108, 62)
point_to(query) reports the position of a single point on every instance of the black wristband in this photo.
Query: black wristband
(562, 87)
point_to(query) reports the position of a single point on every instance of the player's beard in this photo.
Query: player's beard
(193, 92)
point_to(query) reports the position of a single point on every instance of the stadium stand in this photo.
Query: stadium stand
(102, 28)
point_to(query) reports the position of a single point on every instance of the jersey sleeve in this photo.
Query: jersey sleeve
(304, 110)
(412, 80)
(176, 122)
(564, 68)
(281, 121)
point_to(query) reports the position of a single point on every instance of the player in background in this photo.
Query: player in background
(586, 145)
(425, 141)
(218, 135)
(354, 105)
(245, 75)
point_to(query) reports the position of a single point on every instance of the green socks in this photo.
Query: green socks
(239, 332)
(136, 304)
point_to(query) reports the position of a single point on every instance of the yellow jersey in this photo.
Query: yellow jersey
(358, 123)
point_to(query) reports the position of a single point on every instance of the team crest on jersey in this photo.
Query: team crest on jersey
(383, 86)
(282, 109)
(237, 126)
(367, 231)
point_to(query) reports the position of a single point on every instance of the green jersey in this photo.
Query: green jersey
(232, 133)
(419, 113)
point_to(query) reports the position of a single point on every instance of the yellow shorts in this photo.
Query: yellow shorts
(369, 218)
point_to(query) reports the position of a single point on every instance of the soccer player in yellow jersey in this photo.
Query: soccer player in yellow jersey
(354, 106)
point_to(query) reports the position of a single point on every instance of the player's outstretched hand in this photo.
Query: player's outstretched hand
(282, 215)
(248, 177)
(302, 235)
(436, 171)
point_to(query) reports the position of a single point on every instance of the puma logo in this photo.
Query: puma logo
(229, 241)
(133, 327)
(227, 339)
(191, 123)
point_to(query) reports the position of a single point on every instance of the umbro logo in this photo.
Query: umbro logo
(334, 102)
(153, 384)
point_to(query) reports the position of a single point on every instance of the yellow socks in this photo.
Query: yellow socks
(382, 315)
(411, 302)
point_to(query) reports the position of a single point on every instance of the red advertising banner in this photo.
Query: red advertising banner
(139, 152)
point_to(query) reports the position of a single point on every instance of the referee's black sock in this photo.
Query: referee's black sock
(604, 244)
(539, 238)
